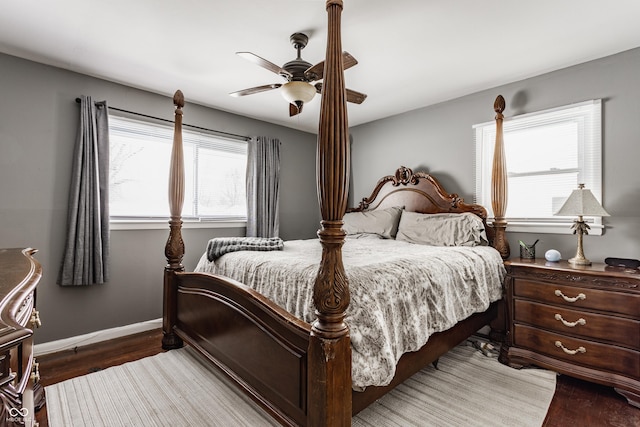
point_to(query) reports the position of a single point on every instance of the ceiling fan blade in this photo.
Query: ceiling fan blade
(256, 89)
(352, 95)
(317, 71)
(265, 64)
(355, 97)
(348, 61)
(294, 109)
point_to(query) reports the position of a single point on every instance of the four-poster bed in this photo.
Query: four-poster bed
(301, 372)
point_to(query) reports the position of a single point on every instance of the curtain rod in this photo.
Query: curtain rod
(219, 132)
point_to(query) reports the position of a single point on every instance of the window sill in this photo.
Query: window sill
(164, 224)
(548, 228)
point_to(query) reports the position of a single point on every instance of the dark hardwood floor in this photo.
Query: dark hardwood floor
(575, 402)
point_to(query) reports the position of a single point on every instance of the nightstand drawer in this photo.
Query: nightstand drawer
(579, 297)
(580, 352)
(616, 330)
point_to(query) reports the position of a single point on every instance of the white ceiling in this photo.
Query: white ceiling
(411, 53)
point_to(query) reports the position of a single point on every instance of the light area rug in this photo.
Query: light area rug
(177, 388)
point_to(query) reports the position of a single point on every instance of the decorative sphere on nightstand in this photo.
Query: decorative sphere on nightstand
(552, 255)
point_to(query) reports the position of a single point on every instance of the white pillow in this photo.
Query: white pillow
(383, 222)
(445, 229)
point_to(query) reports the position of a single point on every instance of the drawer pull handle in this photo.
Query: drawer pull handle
(35, 372)
(580, 321)
(566, 350)
(35, 318)
(569, 299)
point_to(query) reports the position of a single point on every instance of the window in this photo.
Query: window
(548, 153)
(140, 153)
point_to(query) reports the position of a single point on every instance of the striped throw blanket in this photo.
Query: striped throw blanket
(221, 245)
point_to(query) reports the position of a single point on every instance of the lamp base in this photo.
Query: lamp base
(581, 228)
(579, 261)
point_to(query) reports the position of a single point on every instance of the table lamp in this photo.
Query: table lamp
(581, 203)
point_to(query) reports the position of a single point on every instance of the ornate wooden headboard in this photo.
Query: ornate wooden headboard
(418, 192)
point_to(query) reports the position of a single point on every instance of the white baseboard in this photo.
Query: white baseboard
(94, 337)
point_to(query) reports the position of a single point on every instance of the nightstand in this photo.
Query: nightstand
(579, 321)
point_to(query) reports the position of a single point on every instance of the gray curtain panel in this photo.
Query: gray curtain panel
(86, 253)
(263, 187)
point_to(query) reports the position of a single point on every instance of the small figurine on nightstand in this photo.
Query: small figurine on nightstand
(552, 255)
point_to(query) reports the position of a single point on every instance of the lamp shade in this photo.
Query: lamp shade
(298, 91)
(582, 202)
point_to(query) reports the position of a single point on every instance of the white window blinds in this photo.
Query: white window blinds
(215, 169)
(548, 153)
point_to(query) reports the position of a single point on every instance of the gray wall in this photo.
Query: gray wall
(38, 121)
(438, 139)
(38, 118)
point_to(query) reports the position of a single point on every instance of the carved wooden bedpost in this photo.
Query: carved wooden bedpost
(329, 347)
(499, 188)
(174, 249)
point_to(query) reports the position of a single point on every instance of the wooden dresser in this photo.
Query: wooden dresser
(19, 276)
(579, 321)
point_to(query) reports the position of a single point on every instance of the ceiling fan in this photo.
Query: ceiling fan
(302, 77)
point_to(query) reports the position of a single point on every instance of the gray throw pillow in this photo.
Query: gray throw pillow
(445, 229)
(383, 222)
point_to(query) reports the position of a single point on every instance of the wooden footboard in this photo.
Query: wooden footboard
(258, 345)
(264, 349)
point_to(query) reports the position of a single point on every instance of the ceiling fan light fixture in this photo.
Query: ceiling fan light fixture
(298, 91)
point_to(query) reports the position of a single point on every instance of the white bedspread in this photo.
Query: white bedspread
(401, 293)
